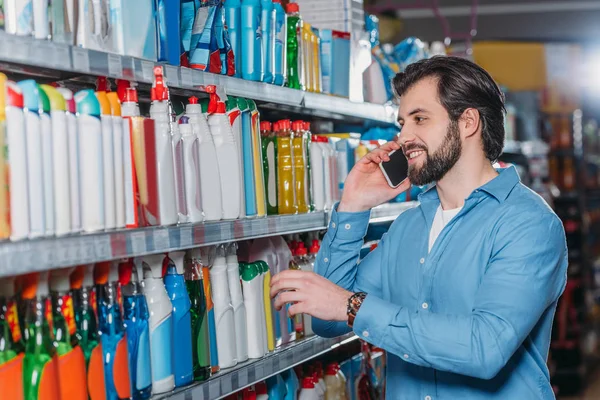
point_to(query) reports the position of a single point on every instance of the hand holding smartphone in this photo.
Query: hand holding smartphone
(396, 169)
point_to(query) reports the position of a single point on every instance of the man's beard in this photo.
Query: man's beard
(439, 163)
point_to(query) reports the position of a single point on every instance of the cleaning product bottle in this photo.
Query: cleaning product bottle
(298, 318)
(267, 48)
(160, 113)
(300, 175)
(291, 383)
(329, 171)
(316, 57)
(233, 20)
(253, 300)
(279, 29)
(199, 313)
(286, 193)
(119, 158)
(41, 22)
(307, 138)
(112, 338)
(60, 161)
(4, 166)
(305, 58)
(85, 307)
(208, 165)
(304, 264)
(237, 302)
(19, 17)
(178, 168)
(224, 316)
(71, 361)
(283, 258)
(168, 15)
(204, 50)
(309, 391)
(259, 180)
(91, 161)
(110, 216)
(261, 391)
(182, 323)
(270, 330)
(276, 388)
(35, 165)
(17, 158)
(48, 176)
(191, 170)
(136, 315)
(269, 155)
(12, 350)
(161, 325)
(335, 387)
(247, 157)
(129, 110)
(294, 29)
(227, 157)
(235, 119)
(207, 257)
(251, 40)
(317, 164)
(320, 378)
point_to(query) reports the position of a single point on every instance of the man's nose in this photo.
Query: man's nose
(405, 137)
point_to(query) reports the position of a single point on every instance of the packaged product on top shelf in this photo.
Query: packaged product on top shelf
(233, 20)
(251, 40)
(110, 212)
(12, 349)
(133, 25)
(335, 61)
(294, 26)
(94, 35)
(278, 37)
(168, 15)
(204, 49)
(248, 158)
(225, 50)
(288, 203)
(18, 18)
(267, 49)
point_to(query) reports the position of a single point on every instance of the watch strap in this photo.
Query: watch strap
(354, 303)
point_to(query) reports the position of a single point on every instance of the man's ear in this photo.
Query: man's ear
(469, 122)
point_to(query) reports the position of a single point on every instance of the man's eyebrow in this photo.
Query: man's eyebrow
(413, 112)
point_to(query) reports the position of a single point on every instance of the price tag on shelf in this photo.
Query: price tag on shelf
(172, 75)
(115, 65)
(81, 60)
(102, 247)
(259, 371)
(161, 240)
(226, 384)
(148, 70)
(214, 389)
(226, 231)
(185, 237)
(41, 50)
(138, 242)
(62, 57)
(88, 249)
(187, 79)
(64, 253)
(242, 377)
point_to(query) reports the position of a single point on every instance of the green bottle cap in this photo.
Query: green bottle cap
(44, 100)
(231, 103)
(250, 272)
(264, 266)
(204, 104)
(252, 105)
(242, 104)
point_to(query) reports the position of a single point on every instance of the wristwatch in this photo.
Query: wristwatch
(354, 303)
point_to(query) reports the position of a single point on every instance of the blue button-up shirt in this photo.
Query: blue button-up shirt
(472, 318)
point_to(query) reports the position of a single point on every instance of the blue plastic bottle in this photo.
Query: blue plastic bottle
(276, 388)
(233, 20)
(188, 14)
(219, 33)
(251, 40)
(168, 15)
(292, 384)
(136, 315)
(279, 28)
(204, 50)
(248, 158)
(183, 368)
(267, 50)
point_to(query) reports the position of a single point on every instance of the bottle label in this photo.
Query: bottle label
(68, 313)
(48, 315)
(13, 321)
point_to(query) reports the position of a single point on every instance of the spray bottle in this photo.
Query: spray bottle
(259, 180)
(233, 20)
(161, 325)
(182, 324)
(199, 313)
(224, 315)
(279, 29)
(235, 119)
(191, 170)
(91, 164)
(227, 157)
(247, 158)
(251, 42)
(208, 256)
(108, 163)
(210, 185)
(35, 165)
(267, 44)
(119, 158)
(40, 369)
(48, 176)
(11, 344)
(294, 28)
(269, 154)
(112, 329)
(252, 282)
(17, 158)
(237, 301)
(136, 315)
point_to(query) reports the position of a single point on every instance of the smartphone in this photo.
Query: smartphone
(395, 170)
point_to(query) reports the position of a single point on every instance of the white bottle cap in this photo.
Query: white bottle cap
(177, 257)
(153, 266)
(60, 280)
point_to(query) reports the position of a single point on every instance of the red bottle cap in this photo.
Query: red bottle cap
(193, 100)
(275, 126)
(307, 382)
(122, 86)
(159, 90)
(102, 84)
(331, 369)
(298, 126)
(221, 109)
(130, 96)
(301, 251)
(14, 95)
(314, 249)
(125, 269)
(307, 126)
(265, 126)
(261, 388)
(285, 125)
(293, 8)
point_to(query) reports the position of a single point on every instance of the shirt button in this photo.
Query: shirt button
(405, 356)
(333, 225)
(347, 226)
(422, 261)
(366, 333)
(427, 397)
(425, 306)
(326, 259)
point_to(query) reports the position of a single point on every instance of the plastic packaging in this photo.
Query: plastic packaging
(182, 323)
(191, 171)
(258, 179)
(278, 37)
(119, 138)
(276, 388)
(233, 19)
(300, 167)
(161, 325)
(294, 26)
(19, 17)
(129, 110)
(237, 302)
(269, 154)
(94, 35)
(48, 176)
(204, 50)
(267, 43)
(168, 15)
(251, 40)
(309, 391)
(207, 254)
(247, 157)
(317, 163)
(286, 192)
(234, 114)
(291, 383)
(253, 299)
(11, 337)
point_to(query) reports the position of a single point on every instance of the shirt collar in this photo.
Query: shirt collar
(499, 187)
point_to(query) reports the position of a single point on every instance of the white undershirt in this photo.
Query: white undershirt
(442, 217)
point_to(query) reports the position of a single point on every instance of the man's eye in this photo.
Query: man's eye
(419, 120)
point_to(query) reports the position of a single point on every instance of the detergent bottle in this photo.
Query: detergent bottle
(207, 258)
(261, 391)
(113, 339)
(307, 137)
(182, 323)
(91, 169)
(259, 180)
(108, 152)
(119, 137)
(298, 318)
(233, 20)
(199, 313)
(276, 388)
(227, 157)
(71, 361)
(269, 156)
(300, 172)
(235, 119)
(40, 368)
(247, 158)
(11, 342)
(16, 140)
(178, 168)
(161, 325)
(283, 259)
(309, 391)
(294, 29)
(191, 170)
(270, 330)
(136, 315)
(208, 165)
(48, 176)
(317, 164)
(35, 166)
(291, 383)
(253, 301)
(267, 43)
(251, 40)
(129, 110)
(237, 302)
(279, 30)
(286, 193)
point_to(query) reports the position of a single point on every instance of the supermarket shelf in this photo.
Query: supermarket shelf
(28, 56)
(250, 372)
(389, 212)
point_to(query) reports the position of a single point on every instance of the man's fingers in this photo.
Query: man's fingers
(286, 284)
(296, 309)
(287, 297)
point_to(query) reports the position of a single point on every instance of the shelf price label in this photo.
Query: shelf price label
(81, 60)
(148, 70)
(162, 241)
(115, 65)
(62, 57)
(172, 75)
(187, 79)
(242, 377)
(214, 389)
(138, 242)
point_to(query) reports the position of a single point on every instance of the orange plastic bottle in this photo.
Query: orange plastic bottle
(285, 166)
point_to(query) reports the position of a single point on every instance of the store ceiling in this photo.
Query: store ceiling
(550, 20)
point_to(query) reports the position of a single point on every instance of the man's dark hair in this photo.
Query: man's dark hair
(462, 84)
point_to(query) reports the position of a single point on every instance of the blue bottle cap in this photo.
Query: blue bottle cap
(31, 95)
(87, 103)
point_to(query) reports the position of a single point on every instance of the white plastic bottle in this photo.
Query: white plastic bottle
(191, 171)
(317, 166)
(235, 118)
(35, 174)
(73, 140)
(17, 158)
(210, 185)
(48, 175)
(119, 158)
(304, 264)
(91, 161)
(309, 391)
(60, 161)
(108, 154)
(237, 302)
(228, 159)
(41, 23)
(179, 170)
(161, 326)
(330, 172)
(224, 318)
(160, 113)
(253, 301)
(284, 256)
(129, 109)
